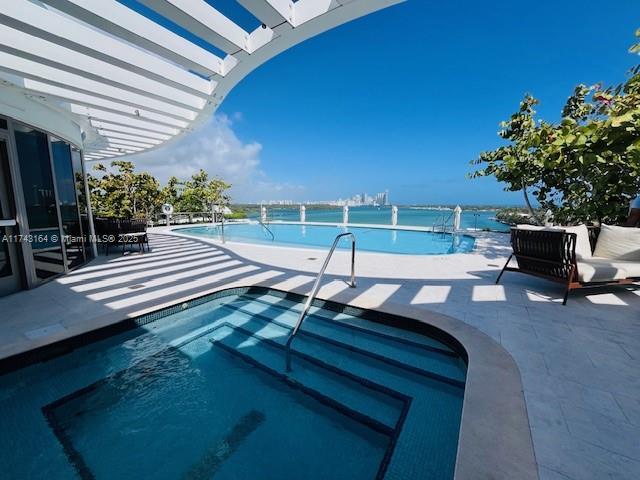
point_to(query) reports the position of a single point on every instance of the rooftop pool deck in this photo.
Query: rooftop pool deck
(573, 369)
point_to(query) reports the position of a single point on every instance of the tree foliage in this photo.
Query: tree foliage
(121, 192)
(199, 194)
(585, 168)
(516, 163)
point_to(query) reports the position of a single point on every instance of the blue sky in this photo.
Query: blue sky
(404, 98)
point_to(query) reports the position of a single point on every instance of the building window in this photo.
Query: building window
(68, 203)
(6, 211)
(39, 196)
(83, 208)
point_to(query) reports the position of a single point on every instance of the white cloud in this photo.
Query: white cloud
(216, 148)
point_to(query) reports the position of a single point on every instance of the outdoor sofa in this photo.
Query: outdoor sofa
(122, 231)
(577, 256)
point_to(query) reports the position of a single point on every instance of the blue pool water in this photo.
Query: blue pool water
(384, 240)
(200, 392)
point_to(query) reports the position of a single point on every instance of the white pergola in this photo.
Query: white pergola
(128, 83)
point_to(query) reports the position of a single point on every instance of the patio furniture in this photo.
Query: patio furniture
(578, 257)
(119, 231)
(134, 231)
(106, 232)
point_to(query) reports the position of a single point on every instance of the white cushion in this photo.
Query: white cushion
(632, 268)
(583, 247)
(618, 243)
(526, 226)
(596, 269)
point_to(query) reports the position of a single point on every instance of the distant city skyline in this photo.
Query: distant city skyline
(359, 199)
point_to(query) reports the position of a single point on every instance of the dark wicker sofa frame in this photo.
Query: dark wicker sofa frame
(552, 255)
(122, 232)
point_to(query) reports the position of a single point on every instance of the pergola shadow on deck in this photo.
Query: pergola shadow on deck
(578, 363)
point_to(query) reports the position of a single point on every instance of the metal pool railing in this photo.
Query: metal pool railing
(264, 226)
(445, 222)
(316, 287)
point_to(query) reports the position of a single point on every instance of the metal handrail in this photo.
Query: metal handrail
(316, 287)
(273, 237)
(437, 222)
(444, 222)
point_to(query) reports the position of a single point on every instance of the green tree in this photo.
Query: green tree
(123, 193)
(586, 168)
(146, 195)
(200, 194)
(592, 158)
(171, 191)
(516, 164)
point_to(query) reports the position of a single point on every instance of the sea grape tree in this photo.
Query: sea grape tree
(516, 164)
(585, 168)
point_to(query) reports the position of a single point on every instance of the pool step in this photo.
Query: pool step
(427, 363)
(375, 405)
(386, 371)
(342, 320)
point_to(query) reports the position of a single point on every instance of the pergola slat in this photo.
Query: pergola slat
(53, 27)
(120, 21)
(88, 101)
(96, 114)
(116, 134)
(122, 149)
(22, 69)
(117, 127)
(125, 147)
(116, 139)
(44, 52)
(204, 21)
(270, 12)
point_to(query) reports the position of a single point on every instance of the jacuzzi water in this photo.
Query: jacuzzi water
(385, 240)
(200, 392)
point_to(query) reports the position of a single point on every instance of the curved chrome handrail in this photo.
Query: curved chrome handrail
(273, 237)
(316, 287)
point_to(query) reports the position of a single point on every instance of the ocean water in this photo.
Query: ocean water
(408, 216)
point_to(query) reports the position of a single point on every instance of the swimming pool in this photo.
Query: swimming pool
(199, 390)
(386, 240)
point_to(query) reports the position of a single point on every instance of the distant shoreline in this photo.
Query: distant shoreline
(478, 207)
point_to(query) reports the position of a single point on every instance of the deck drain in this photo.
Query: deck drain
(493, 265)
(312, 258)
(135, 287)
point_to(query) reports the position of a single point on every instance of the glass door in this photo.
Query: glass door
(73, 238)
(10, 268)
(39, 191)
